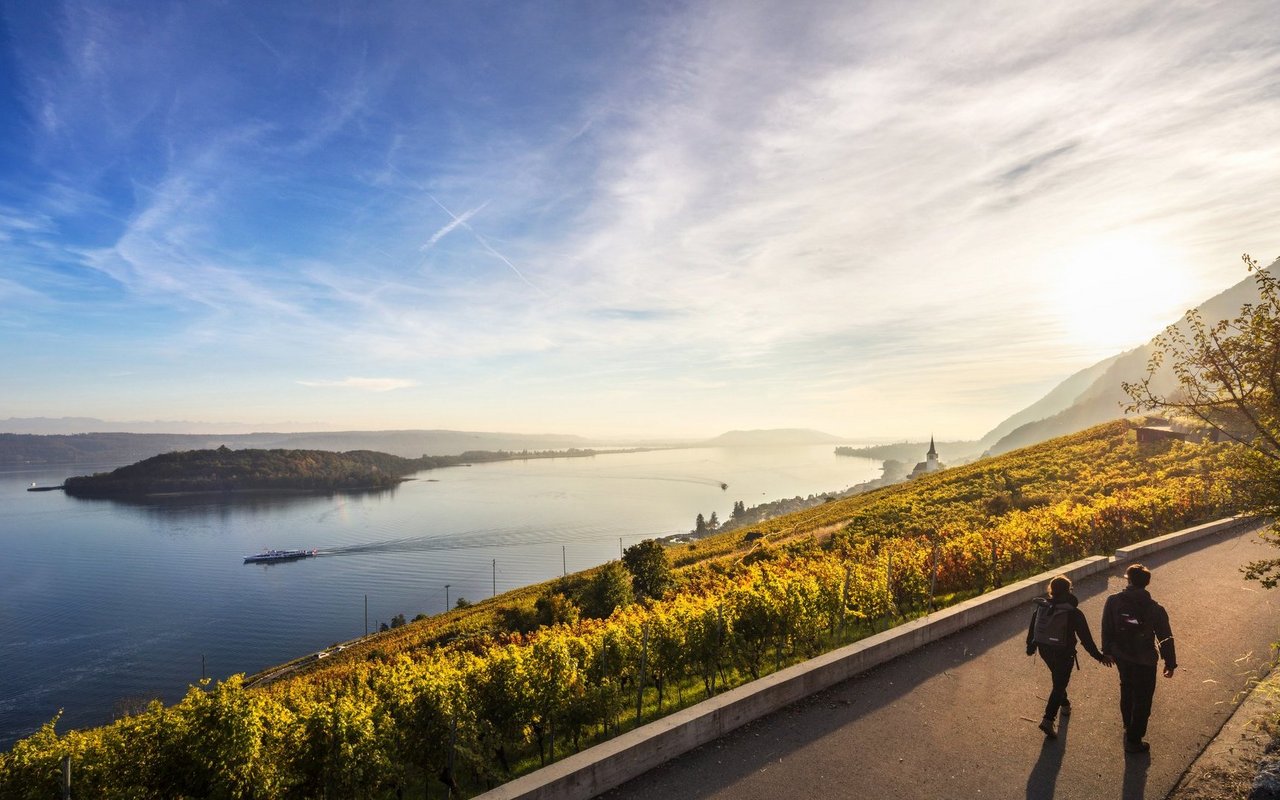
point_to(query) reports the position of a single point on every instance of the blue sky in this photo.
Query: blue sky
(630, 219)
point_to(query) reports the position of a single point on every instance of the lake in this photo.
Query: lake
(105, 603)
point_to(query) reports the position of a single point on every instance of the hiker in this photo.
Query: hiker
(1055, 625)
(1133, 627)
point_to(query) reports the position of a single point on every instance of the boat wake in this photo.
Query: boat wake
(480, 540)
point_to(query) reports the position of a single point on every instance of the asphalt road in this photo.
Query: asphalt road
(957, 719)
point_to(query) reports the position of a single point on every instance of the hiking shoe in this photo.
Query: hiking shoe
(1065, 710)
(1046, 725)
(1131, 746)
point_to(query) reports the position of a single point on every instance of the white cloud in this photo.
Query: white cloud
(363, 384)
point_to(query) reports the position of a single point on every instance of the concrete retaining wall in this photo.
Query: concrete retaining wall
(1135, 551)
(612, 763)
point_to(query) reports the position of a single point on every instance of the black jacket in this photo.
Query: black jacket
(1079, 627)
(1118, 645)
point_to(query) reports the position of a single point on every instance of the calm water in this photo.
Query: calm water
(103, 601)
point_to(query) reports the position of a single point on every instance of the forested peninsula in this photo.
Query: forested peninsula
(227, 470)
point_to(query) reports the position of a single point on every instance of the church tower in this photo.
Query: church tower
(930, 464)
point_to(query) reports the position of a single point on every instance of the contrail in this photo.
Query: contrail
(461, 221)
(453, 223)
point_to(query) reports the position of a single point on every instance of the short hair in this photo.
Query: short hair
(1060, 586)
(1138, 575)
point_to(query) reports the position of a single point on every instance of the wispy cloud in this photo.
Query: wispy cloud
(801, 210)
(363, 384)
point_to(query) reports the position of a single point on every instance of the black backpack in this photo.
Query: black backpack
(1133, 632)
(1053, 624)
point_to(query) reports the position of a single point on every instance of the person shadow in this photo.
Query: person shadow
(1135, 776)
(1043, 780)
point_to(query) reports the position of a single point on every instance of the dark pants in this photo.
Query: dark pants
(1137, 687)
(1060, 660)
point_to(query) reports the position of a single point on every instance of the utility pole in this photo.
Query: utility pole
(564, 562)
(495, 577)
(366, 615)
(446, 597)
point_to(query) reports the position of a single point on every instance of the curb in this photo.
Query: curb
(609, 764)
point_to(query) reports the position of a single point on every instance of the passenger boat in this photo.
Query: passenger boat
(278, 555)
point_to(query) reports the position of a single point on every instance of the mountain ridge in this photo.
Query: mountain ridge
(1065, 410)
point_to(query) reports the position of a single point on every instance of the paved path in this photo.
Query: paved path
(957, 719)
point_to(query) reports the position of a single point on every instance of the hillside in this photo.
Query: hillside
(1094, 395)
(482, 693)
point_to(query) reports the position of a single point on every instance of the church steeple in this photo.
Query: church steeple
(930, 463)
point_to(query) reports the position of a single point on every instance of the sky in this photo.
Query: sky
(876, 219)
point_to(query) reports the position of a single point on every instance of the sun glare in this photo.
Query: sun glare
(1117, 292)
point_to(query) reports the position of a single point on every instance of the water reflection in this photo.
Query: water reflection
(224, 504)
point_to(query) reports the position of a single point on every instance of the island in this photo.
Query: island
(227, 470)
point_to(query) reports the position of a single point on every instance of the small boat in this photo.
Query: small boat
(34, 488)
(267, 556)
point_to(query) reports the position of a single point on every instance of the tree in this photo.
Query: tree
(649, 567)
(556, 609)
(714, 522)
(700, 525)
(1227, 378)
(609, 588)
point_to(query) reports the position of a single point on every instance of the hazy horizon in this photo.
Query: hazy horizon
(615, 221)
(76, 425)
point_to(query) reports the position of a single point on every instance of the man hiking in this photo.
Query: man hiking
(1055, 625)
(1133, 627)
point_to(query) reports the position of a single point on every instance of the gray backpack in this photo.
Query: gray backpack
(1053, 624)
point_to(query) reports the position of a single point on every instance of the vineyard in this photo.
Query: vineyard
(453, 705)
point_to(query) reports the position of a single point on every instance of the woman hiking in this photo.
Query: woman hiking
(1055, 626)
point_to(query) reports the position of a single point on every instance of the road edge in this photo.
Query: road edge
(1227, 765)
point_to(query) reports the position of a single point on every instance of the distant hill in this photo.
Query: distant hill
(911, 452)
(414, 443)
(775, 436)
(1094, 395)
(46, 426)
(17, 450)
(1061, 398)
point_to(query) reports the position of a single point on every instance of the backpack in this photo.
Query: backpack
(1133, 631)
(1053, 624)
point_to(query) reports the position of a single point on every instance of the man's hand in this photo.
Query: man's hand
(1107, 661)
(1168, 671)
(1031, 649)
